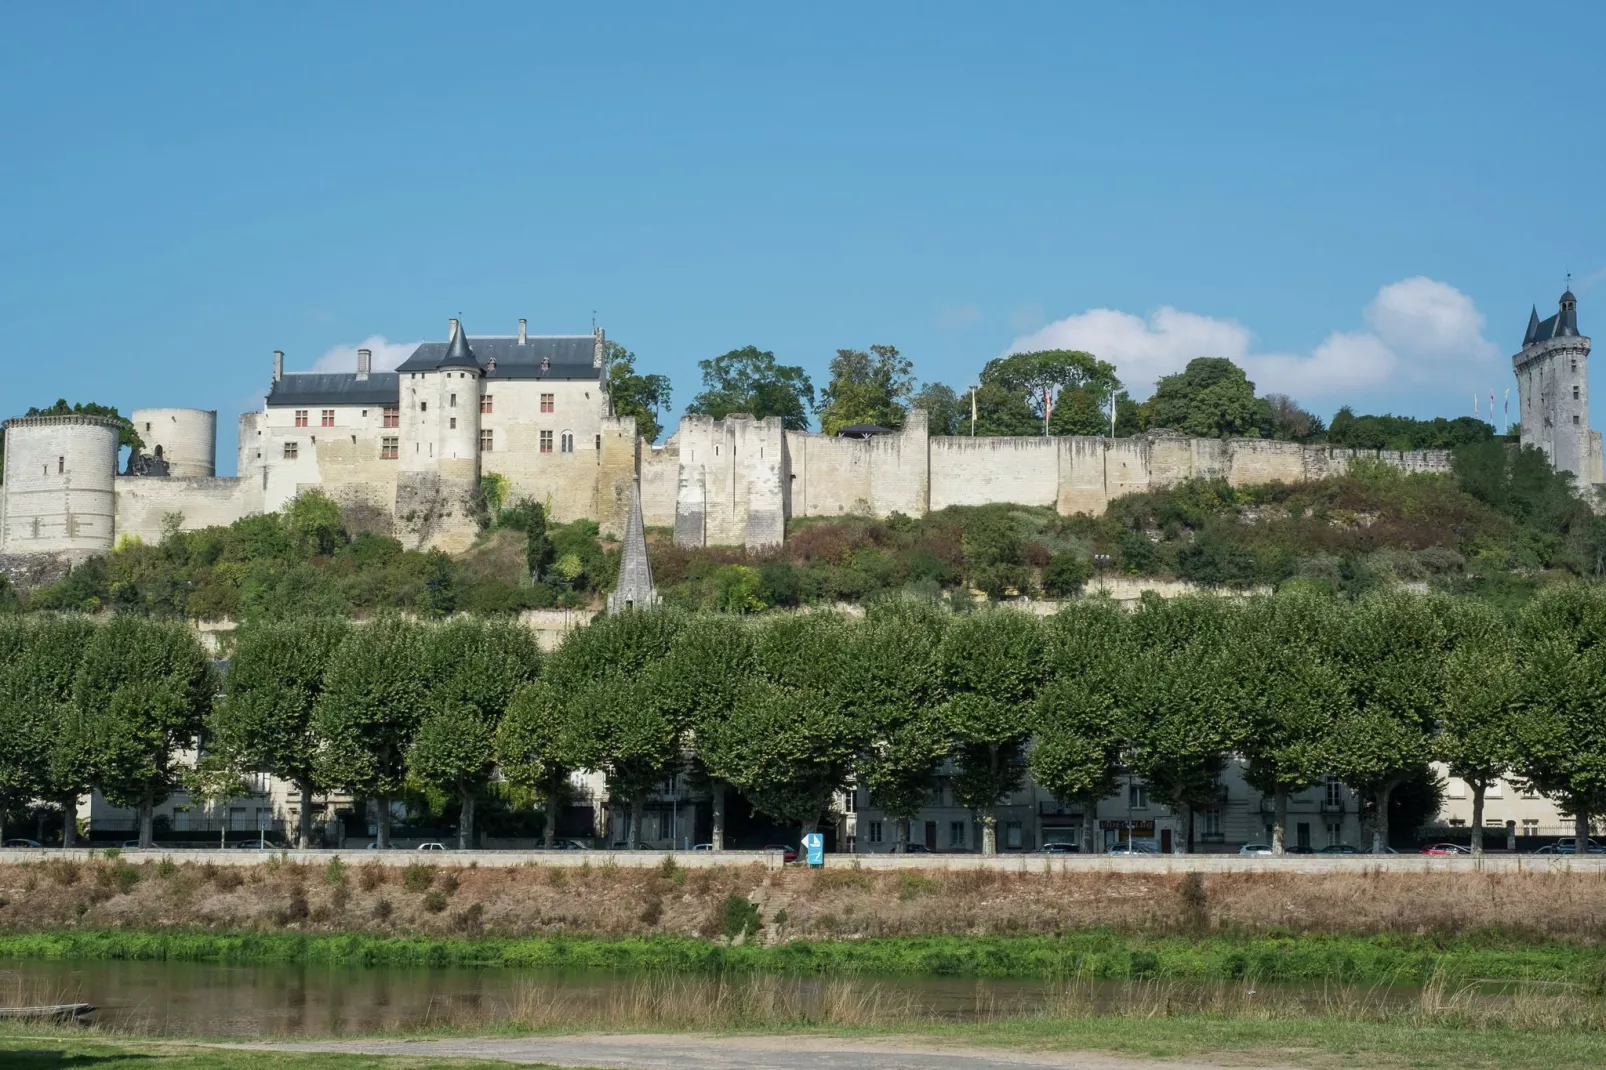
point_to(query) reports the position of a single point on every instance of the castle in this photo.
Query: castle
(403, 453)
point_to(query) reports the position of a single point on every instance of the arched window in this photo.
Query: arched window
(566, 442)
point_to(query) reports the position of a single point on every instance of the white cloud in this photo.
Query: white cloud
(958, 317)
(1421, 333)
(343, 358)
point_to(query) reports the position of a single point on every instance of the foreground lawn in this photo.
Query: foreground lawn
(59, 1051)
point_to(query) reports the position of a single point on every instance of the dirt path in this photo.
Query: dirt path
(695, 1052)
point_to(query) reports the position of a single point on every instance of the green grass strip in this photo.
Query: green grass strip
(1093, 954)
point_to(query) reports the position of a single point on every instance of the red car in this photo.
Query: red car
(1445, 849)
(788, 854)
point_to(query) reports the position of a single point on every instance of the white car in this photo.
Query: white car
(1256, 849)
(432, 846)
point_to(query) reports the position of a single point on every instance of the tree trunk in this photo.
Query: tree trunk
(1088, 845)
(1279, 821)
(1380, 821)
(69, 821)
(465, 823)
(1186, 839)
(900, 836)
(1581, 833)
(553, 789)
(304, 833)
(147, 822)
(718, 808)
(382, 822)
(638, 812)
(989, 831)
(1478, 789)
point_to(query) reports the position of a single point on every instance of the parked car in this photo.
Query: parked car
(1568, 845)
(1384, 850)
(1131, 849)
(261, 845)
(1059, 849)
(1445, 849)
(917, 849)
(702, 847)
(788, 854)
(1298, 849)
(432, 846)
(129, 845)
(1257, 849)
(625, 845)
(567, 845)
(23, 843)
(1338, 849)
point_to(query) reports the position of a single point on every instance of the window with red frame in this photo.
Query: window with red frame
(301, 417)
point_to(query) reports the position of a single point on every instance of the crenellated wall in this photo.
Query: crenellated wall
(725, 482)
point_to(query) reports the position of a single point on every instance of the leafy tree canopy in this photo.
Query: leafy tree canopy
(1404, 432)
(749, 380)
(867, 388)
(1211, 398)
(946, 412)
(1039, 378)
(633, 394)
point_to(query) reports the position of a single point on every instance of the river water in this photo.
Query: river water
(193, 999)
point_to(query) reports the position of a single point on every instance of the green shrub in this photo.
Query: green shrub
(1066, 575)
(740, 916)
(417, 877)
(435, 902)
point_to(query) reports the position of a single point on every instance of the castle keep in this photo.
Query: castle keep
(402, 453)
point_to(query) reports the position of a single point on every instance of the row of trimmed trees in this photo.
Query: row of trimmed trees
(789, 710)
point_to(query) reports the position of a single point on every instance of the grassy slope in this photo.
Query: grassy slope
(1093, 954)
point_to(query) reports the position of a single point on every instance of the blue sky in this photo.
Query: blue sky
(1361, 203)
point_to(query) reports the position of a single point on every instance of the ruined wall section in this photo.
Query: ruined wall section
(144, 505)
(731, 478)
(615, 475)
(979, 471)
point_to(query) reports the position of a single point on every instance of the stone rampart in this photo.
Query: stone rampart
(144, 504)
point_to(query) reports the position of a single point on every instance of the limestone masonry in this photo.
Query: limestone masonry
(403, 452)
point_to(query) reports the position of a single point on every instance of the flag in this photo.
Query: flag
(1491, 406)
(1508, 404)
(973, 406)
(1474, 404)
(1048, 402)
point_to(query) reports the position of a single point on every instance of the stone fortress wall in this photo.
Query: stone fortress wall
(735, 481)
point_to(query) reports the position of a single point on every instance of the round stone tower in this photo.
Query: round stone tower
(185, 438)
(58, 494)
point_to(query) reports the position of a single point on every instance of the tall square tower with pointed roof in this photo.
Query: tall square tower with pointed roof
(1553, 391)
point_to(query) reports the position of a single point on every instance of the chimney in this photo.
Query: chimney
(451, 329)
(599, 346)
(365, 363)
(524, 333)
(278, 365)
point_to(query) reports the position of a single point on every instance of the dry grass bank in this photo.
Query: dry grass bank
(604, 900)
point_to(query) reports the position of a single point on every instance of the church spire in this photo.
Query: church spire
(635, 589)
(1533, 325)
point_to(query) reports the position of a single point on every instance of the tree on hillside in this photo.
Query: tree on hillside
(141, 695)
(896, 690)
(947, 413)
(1370, 432)
(38, 663)
(867, 388)
(1001, 410)
(375, 696)
(1080, 411)
(265, 722)
(992, 666)
(1290, 422)
(1211, 398)
(1041, 377)
(473, 670)
(312, 521)
(1482, 688)
(749, 380)
(632, 394)
(1390, 651)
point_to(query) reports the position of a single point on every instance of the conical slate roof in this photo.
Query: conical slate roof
(458, 354)
(635, 589)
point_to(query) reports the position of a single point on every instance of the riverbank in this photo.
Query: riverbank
(754, 903)
(1100, 954)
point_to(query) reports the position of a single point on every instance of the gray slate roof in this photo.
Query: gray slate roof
(568, 357)
(1564, 324)
(336, 388)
